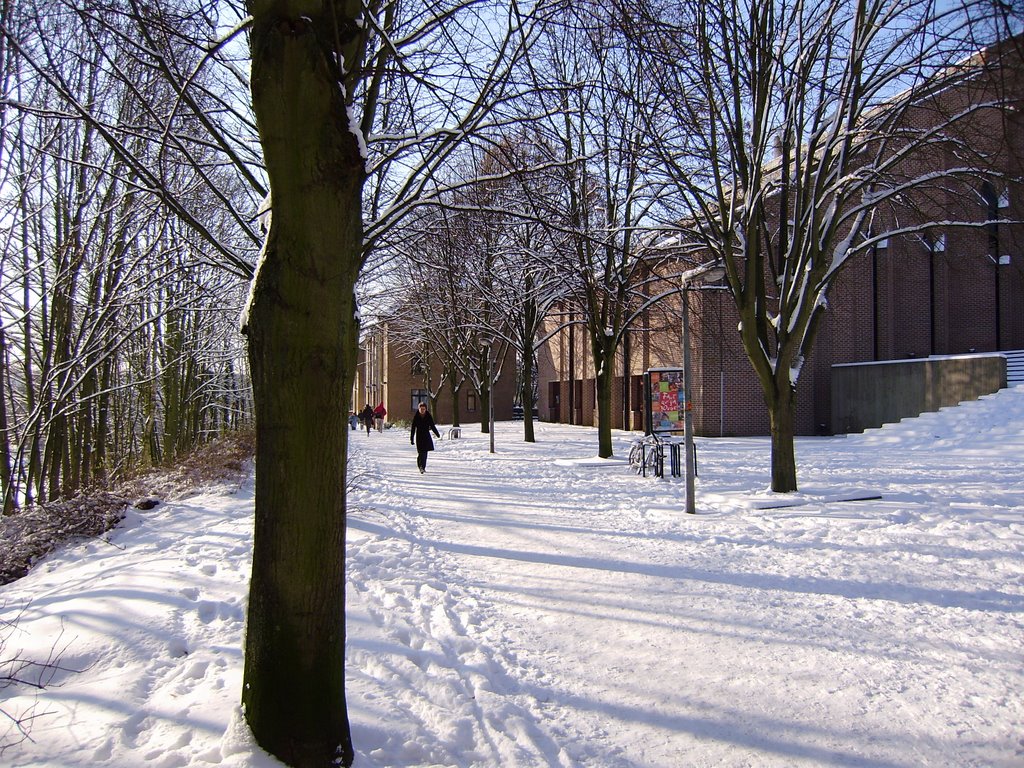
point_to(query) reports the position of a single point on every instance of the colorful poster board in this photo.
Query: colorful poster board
(665, 397)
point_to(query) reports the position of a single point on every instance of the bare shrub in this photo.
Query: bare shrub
(34, 532)
(17, 670)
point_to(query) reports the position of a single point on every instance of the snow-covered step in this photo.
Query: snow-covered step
(985, 415)
(1014, 367)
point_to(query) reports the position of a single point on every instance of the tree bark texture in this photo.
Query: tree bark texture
(603, 360)
(783, 420)
(8, 500)
(526, 394)
(454, 387)
(530, 323)
(302, 349)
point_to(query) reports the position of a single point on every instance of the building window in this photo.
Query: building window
(419, 396)
(471, 402)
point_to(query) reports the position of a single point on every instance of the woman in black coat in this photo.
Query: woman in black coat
(422, 425)
(366, 416)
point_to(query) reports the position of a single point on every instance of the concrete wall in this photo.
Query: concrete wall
(867, 395)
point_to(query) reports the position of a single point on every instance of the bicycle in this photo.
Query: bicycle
(646, 455)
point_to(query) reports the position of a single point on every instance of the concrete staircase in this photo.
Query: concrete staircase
(1014, 367)
(999, 417)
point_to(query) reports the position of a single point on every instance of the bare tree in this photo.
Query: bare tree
(590, 81)
(119, 198)
(479, 271)
(449, 311)
(785, 129)
(429, 318)
(359, 107)
(527, 281)
(357, 111)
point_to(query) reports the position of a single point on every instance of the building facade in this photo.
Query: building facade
(392, 375)
(952, 283)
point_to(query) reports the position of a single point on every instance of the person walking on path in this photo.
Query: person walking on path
(366, 416)
(378, 416)
(419, 435)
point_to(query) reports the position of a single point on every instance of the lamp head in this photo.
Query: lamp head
(713, 275)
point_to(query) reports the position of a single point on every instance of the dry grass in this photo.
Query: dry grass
(33, 532)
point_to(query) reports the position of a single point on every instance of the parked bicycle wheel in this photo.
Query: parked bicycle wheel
(644, 454)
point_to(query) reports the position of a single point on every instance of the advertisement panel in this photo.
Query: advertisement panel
(665, 397)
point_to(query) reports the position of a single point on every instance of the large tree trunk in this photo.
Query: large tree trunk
(605, 375)
(454, 389)
(7, 494)
(485, 372)
(780, 400)
(530, 312)
(782, 415)
(485, 408)
(526, 395)
(302, 350)
(776, 387)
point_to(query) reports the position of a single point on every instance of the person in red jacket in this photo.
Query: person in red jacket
(419, 435)
(378, 416)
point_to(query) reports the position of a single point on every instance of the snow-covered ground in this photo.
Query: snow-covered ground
(537, 607)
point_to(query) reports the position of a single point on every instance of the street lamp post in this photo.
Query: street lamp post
(706, 273)
(691, 507)
(486, 349)
(490, 395)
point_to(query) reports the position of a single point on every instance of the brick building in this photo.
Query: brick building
(387, 373)
(937, 290)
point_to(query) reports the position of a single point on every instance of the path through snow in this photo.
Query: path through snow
(537, 607)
